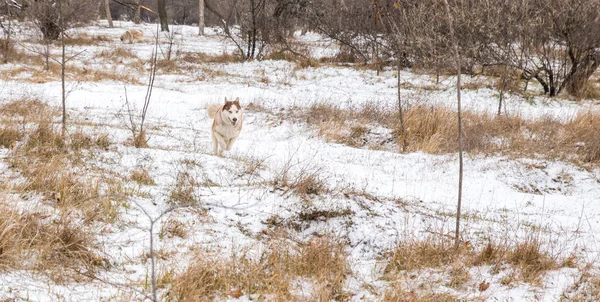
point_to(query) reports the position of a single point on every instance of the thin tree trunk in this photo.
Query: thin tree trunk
(62, 67)
(400, 112)
(7, 50)
(201, 18)
(136, 16)
(107, 12)
(153, 263)
(502, 87)
(162, 15)
(460, 143)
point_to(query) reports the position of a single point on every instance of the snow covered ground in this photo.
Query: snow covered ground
(410, 196)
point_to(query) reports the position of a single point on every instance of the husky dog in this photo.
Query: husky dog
(132, 35)
(227, 124)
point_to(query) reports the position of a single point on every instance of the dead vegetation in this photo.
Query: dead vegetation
(273, 273)
(199, 57)
(524, 261)
(57, 248)
(58, 241)
(432, 130)
(142, 177)
(84, 39)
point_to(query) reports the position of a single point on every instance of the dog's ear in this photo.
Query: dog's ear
(237, 102)
(226, 101)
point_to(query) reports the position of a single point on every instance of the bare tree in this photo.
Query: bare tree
(46, 13)
(460, 144)
(162, 15)
(107, 12)
(7, 44)
(246, 24)
(201, 17)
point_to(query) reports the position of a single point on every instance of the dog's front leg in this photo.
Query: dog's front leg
(230, 143)
(219, 141)
(215, 144)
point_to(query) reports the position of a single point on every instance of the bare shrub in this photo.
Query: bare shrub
(47, 16)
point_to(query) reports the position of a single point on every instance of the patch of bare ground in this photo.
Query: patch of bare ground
(272, 273)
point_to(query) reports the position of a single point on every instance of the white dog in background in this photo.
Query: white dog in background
(132, 35)
(227, 124)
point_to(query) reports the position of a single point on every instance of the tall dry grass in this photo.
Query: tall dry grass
(433, 130)
(270, 274)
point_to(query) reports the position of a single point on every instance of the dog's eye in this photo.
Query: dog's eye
(229, 111)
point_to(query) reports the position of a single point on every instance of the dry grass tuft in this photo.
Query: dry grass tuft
(9, 136)
(490, 254)
(26, 110)
(459, 275)
(198, 57)
(173, 228)
(185, 189)
(396, 293)
(168, 66)
(140, 140)
(116, 54)
(270, 274)
(432, 253)
(142, 177)
(308, 185)
(531, 260)
(84, 39)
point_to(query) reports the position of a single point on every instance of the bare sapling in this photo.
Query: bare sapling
(139, 133)
(460, 142)
(62, 67)
(7, 31)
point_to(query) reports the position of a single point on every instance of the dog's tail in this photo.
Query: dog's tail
(212, 110)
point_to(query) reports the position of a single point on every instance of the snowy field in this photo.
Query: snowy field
(377, 198)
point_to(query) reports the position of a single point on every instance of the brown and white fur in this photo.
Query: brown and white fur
(132, 35)
(227, 124)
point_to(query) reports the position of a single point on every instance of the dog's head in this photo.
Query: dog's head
(232, 111)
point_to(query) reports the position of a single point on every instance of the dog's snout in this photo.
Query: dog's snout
(235, 119)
